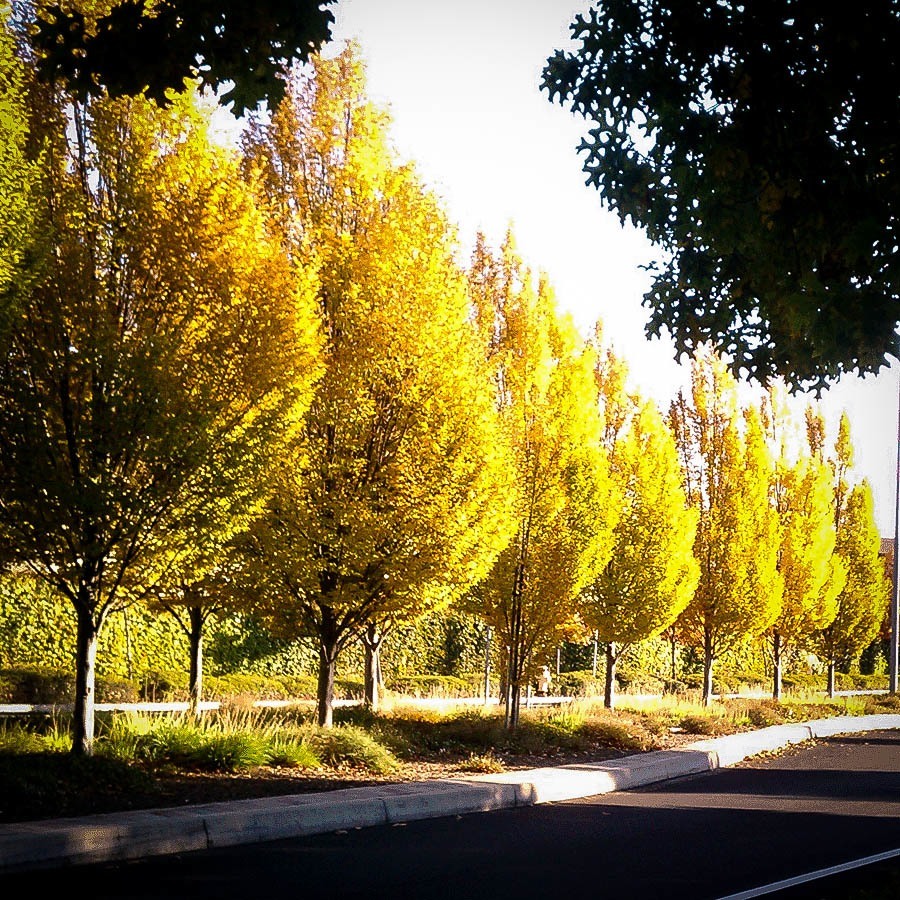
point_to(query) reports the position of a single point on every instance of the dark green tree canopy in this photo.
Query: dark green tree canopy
(757, 145)
(144, 47)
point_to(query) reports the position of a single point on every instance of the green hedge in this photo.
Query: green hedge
(728, 682)
(45, 685)
(450, 686)
(842, 682)
(41, 685)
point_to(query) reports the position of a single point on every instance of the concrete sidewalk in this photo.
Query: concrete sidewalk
(130, 835)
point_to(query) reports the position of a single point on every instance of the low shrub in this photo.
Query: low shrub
(482, 762)
(577, 684)
(619, 734)
(884, 702)
(763, 713)
(160, 687)
(698, 723)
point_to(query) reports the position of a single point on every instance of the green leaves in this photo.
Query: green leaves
(138, 48)
(754, 144)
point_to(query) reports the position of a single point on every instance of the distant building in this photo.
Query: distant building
(886, 552)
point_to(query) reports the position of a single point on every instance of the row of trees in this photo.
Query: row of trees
(258, 378)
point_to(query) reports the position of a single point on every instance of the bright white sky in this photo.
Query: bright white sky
(461, 80)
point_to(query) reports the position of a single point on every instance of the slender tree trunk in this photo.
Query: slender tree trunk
(195, 641)
(831, 668)
(708, 660)
(129, 661)
(379, 675)
(776, 664)
(610, 687)
(328, 653)
(487, 665)
(673, 656)
(516, 657)
(372, 678)
(85, 677)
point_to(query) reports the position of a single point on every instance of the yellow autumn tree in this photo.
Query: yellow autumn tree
(394, 501)
(727, 469)
(566, 505)
(652, 573)
(864, 593)
(17, 172)
(813, 575)
(154, 366)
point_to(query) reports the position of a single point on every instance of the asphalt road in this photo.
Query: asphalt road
(708, 836)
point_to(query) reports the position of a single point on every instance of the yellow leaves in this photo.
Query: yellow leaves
(566, 504)
(405, 474)
(197, 344)
(738, 534)
(652, 573)
(863, 600)
(807, 549)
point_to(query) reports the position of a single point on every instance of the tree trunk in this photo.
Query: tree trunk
(610, 686)
(372, 677)
(328, 653)
(195, 642)
(487, 665)
(673, 655)
(85, 677)
(708, 659)
(129, 661)
(516, 656)
(776, 665)
(831, 668)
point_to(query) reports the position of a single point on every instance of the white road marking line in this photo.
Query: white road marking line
(812, 876)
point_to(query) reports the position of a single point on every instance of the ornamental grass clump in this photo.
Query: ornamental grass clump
(698, 723)
(485, 763)
(347, 745)
(290, 752)
(230, 752)
(14, 738)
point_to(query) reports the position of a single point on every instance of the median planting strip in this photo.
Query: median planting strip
(132, 835)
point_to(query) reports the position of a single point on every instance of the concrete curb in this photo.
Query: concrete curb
(131, 835)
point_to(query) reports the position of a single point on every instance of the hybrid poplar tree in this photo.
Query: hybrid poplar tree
(566, 505)
(812, 574)
(863, 602)
(727, 470)
(652, 573)
(865, 589)
(395, 498)
(153, 366)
